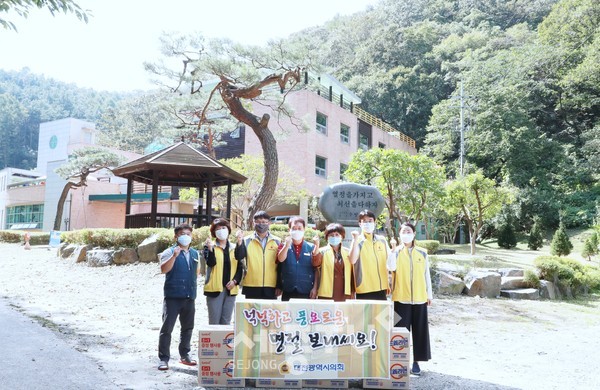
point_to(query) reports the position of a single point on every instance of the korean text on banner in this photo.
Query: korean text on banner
(312, 339)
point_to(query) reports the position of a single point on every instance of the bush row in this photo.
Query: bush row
(15, 236)
(570, 276)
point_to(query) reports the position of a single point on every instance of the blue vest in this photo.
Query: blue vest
(180, 281)
(298, 275)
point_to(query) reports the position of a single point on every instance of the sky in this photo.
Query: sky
(108, 52)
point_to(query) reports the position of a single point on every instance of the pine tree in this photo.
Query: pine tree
(536, 235)
(561, 245)
(588, 249)
(594, 241)
(506, 236)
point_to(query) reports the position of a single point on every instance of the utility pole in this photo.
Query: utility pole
(462, 105)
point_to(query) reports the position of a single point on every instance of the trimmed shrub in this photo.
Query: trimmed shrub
(531, 279)
(506, 236)
(536, 236)
(16, 236)
(588, 250)
(11, 236)
(570, 276)
(431, 245)
(561, 245)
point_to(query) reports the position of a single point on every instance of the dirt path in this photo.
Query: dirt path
(113, 314)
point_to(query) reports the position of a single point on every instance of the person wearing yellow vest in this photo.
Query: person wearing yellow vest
(368, 254)
(335, 278)
(260, 253)
(223, 275)
(411, 292)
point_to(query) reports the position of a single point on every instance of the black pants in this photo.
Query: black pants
(259, 292)
(414, 318)
(186, 310)
(374, 295)
(287, 295)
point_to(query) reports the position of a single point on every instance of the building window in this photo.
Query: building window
(25, 217)
(344, 133)
(381, 146)
(321, 123)
(343, 168)
(321, 166)
(363, 142)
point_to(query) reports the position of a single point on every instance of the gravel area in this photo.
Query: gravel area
(113, 315)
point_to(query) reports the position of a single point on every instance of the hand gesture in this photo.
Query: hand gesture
(239, 235)
(316, 240)
(355, 234)
(209, 244)
(288, 241)
(393, 244)
(176, 251)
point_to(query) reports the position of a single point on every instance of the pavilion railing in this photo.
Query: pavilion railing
(164, 220)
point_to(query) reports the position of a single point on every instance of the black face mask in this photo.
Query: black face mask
(261, 227)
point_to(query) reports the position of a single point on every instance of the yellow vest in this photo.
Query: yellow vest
(261, 266)
(410, 285)
(214, 276)
(327, 270)
(370, 270)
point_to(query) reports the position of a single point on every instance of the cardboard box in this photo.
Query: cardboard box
(218, 373)
(215, 342)
(399, 378)
(281, 383)
(400, 345)
(326, 383)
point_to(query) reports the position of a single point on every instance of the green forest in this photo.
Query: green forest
(525, 73)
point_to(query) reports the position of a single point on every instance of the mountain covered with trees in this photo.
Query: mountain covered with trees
(28, 99)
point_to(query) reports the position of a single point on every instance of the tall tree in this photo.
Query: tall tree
(81, 164)
(238, 76)
(410, 185)
(23, 7)
(477, 199)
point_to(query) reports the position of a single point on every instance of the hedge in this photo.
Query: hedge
(16, 236)
(570, 276)
(431, 245)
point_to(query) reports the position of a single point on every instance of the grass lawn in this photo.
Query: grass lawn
(490, 255)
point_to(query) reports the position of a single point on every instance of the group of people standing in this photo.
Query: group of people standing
(269, 267)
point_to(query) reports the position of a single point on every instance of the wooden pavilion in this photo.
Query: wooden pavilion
(178, 165)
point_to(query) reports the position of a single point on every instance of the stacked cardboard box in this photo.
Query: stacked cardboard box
(325, 383)
(215, 355)
(279, 383)
(399, 363)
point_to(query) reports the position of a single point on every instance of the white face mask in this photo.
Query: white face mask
(407, 238)
(184, 240)
(222, 234)
(297, 234)
(368, 227)
(334, 240)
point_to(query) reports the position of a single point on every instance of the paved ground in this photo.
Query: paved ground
(34, 357)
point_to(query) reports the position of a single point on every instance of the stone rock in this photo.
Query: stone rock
(147, 251)
(99, 257)
(448, 284)
(547, 290)
(524, 293)
(66, 250)
(512, 283)
(483, 283)
(511, 272)
(341, 202)
(80, 253)
(125, 256)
